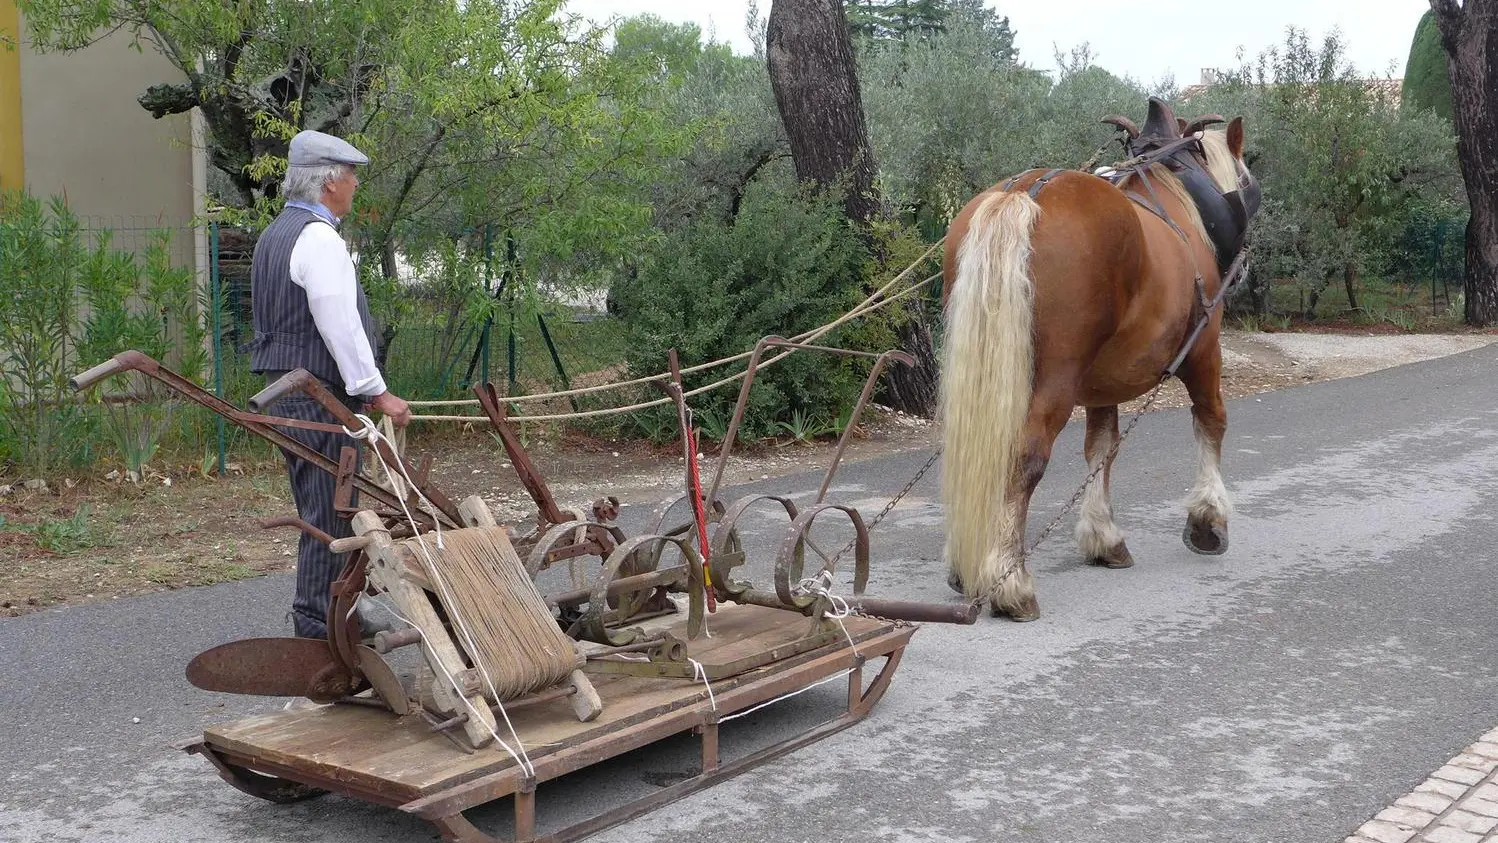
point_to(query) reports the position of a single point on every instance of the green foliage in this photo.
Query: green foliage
(507, 116)
(896, 19)
(246, 64)
(714, 425)
(1340, 163)
(787, 263)
(899, 20)
(726, 109)
(486, 113)
(1427, 77)
(952, 115)
(43, 256)
(70, 305)
(65, 535)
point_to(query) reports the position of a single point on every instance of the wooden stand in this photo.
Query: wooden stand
(392, 570)
(371, 755)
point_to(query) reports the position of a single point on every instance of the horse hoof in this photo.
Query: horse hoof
(954, 582)
(1028, 610)
(1205, 538)
(1117, 556)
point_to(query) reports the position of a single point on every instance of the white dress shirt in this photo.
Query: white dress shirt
(321, 265)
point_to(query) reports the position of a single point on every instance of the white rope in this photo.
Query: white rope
(821, 585)
(874, 301)
(782, 697)
(699, 672)
(839, 609)
(807, 337)
(374, 436)
(522, 759)
(397, 442)
(371, 433)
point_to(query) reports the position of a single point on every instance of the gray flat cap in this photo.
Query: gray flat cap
(313, 149)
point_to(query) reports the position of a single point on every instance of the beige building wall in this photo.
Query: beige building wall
(85, 137)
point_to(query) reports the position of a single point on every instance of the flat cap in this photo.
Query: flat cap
(314, 149)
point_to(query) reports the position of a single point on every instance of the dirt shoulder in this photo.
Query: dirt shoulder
(98, 539)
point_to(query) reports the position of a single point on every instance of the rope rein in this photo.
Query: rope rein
(879, 299)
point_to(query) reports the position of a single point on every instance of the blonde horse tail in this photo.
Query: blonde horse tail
(987, 368)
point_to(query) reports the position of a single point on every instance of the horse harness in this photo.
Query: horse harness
(1224, 215)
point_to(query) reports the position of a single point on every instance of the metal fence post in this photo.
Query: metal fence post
(488, 288)
(216, 293)
(556, 360)
(510, 384)
(511, 279)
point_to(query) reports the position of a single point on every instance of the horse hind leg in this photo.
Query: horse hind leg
(1099, 538)
(1208, 506)
(1015, 595)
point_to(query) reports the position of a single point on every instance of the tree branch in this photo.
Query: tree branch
(233, 54)
(164, 99)
(736, 191)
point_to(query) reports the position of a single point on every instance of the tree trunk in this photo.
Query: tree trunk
(810, 59)
(1350, 280)
(812, 72)
(1469, 33)
(913, 389)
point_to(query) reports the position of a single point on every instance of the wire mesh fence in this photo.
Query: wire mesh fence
(435, 343)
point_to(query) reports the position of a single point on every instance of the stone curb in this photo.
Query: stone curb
(1457, 804)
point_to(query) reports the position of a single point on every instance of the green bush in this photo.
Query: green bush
(70, 305)
(787, 263)
(42, 258)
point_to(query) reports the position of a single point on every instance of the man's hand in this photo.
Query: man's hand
(393, 406)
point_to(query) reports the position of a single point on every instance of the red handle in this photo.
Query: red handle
(699, 509)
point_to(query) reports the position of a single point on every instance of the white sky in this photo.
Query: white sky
(1199, 33)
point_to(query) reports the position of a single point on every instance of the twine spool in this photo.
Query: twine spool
(515, 641)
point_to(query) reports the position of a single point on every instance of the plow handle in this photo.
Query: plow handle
(96, 374)
(286, 384)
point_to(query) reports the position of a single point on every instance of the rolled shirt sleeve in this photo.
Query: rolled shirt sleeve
(321, 265)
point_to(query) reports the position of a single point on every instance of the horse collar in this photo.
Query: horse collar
(1224, 215)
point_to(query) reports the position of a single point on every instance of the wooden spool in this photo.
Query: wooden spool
(503, 645)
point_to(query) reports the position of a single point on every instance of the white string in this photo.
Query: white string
(397, 444)
(698, 672)
(371, 433)
(838, 607)
(748, 711)
(522, 759)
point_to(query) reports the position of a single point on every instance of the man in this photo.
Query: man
(310, 313)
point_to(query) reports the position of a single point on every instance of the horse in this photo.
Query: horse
(1065, 288)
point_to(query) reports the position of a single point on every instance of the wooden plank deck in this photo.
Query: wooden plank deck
(372, 750)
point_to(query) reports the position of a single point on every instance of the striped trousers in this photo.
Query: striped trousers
(312, 488)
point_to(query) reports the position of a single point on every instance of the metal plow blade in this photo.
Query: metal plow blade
(272, 667)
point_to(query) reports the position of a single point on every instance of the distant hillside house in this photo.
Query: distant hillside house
(70, 126)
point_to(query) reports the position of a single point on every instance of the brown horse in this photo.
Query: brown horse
(1065, 288)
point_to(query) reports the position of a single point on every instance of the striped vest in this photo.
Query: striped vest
(285, 336)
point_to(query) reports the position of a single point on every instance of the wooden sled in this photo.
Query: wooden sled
(369, 754)
(626, 665)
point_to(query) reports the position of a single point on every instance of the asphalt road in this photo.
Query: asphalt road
(1345, 647)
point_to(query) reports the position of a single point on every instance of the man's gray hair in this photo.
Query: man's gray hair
(304, 184)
